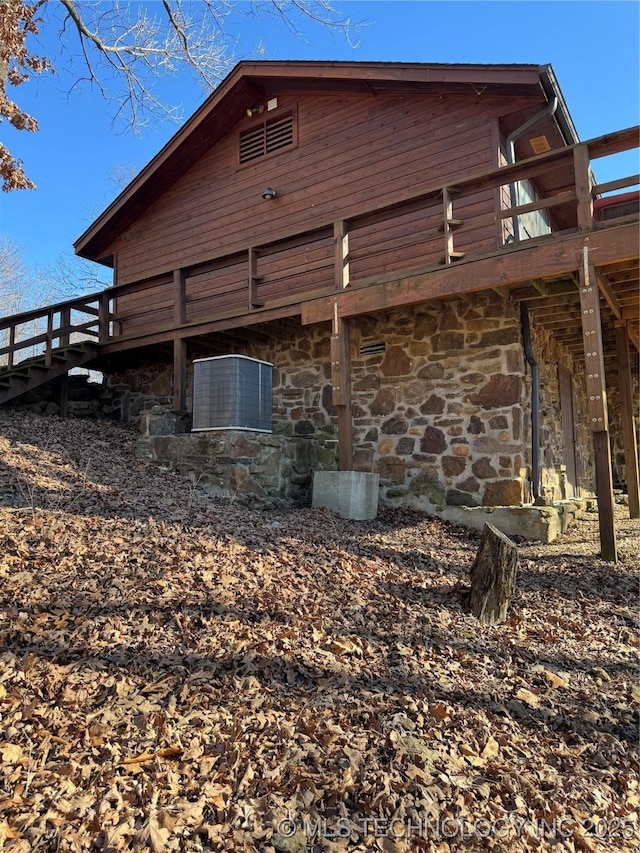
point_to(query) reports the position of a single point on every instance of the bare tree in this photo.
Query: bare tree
(121, 48)
(13, 277)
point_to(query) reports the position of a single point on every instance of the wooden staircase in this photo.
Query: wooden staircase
(32, 372)
(65, 335)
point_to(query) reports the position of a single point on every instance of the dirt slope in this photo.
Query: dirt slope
(178, 674)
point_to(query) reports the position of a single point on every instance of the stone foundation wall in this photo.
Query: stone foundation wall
(441, 402)
(241, 465)
(438, 414)
(138, 389)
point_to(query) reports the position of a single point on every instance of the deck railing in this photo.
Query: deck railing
(56, 323)
(43, 330)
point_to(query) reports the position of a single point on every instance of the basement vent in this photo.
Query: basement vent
(372, 349)
(232, 392)
(266, 138)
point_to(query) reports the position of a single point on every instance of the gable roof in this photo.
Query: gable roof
(250, 82)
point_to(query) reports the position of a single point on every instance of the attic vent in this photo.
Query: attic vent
(270, 136)
(372, 349)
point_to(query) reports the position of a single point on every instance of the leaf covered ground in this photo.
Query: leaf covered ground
(181, 674)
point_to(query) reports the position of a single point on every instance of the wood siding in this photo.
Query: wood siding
(351, 151)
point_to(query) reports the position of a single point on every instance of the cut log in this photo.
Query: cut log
(493, 576)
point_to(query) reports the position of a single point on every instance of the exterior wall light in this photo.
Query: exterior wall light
(269, 194)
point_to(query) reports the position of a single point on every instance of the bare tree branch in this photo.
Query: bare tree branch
(122, 48)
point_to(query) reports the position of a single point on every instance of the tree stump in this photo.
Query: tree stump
(493, 576)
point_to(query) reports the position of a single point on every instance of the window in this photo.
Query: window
(272, 135)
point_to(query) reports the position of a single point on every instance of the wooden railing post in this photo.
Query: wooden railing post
(49, 340)
(449, 224)
(582, 179)
(342, 274)
(65, 322)
(254, 279)
(12, 342)
(179, 297)
(103, 317)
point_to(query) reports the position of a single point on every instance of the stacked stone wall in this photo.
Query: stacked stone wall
(441, 401)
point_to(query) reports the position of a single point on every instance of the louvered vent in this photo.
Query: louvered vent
(372, 349)
(266, 138)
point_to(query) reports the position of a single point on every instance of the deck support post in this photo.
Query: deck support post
(63, 395)
(341, 388)
(628, 420)
(597, 404)
(179, 374)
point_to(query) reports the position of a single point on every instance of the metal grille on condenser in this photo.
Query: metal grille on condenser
(267, 138)
(232, 392)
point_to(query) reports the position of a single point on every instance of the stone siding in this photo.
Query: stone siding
(438, 414)
(238, 464)
(139, 388)
(441, 402)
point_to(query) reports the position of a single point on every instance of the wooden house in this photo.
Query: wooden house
(420, 250)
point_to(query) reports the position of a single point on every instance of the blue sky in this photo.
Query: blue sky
(594, 48)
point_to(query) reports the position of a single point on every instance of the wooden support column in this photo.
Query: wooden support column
(628, 420)
(63, 395)
(341, 388)
(597, 404)
(179, 374)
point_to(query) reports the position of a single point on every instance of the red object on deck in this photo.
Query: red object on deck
(614, 206)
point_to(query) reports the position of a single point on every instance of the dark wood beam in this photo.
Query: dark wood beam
(179, 375)
(604, 492)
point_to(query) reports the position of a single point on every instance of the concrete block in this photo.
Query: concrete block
(352, 494)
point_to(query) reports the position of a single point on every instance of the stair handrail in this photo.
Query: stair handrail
(97, 328)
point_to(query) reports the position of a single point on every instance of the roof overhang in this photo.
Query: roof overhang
(250, 82)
